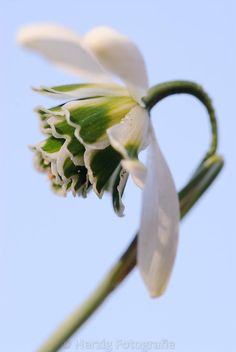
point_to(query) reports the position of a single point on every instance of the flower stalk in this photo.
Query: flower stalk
(166, 89)
(188, 196)
(202, 178)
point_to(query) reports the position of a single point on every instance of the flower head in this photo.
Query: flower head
(92, 139)
(77, 154)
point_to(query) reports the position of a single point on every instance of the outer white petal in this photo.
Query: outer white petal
(64, 48)
(158, 236)
(131, 135)
(120, 56)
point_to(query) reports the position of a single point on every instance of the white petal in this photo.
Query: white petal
(137, 170)
(120, 56)
(64, 48)
(158, 236)
(131, 131)
(128, 138)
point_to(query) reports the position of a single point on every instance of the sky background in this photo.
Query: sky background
(54, 251)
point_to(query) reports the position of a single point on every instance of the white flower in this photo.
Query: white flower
(94, 138)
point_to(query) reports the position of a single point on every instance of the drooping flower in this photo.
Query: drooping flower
(94, 137)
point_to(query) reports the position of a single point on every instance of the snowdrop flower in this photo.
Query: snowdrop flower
(94, 137)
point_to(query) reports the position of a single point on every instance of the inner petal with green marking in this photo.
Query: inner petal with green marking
(52, 145)
(132, 150)
(60, 127)
(78, 153)
(93, 117)
(83, 91)
(101, 165)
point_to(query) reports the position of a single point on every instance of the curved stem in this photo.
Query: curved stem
(188, 196)
(163, 90)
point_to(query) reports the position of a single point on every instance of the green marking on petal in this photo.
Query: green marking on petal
(132, 150)
(118, 188)
(97, 115)
(94, 123)
(75, 147)
(103, 164)
(56, 187)
(69, 168)
(87, 90)
(57, 108)
(52, 145)
(46, 126)
(71, 87)
(80, 172)
(45, 112)
(40, 163)
(64, 129)
(82, 181)
(68, 185)
(42, 114)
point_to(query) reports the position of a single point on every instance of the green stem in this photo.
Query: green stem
(188, 196)
(163, 90)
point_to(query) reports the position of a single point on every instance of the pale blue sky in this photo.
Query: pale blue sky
(54, 251)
